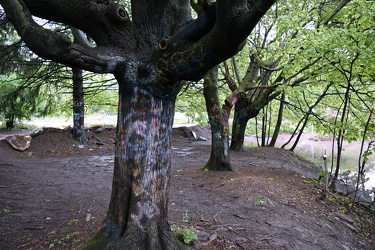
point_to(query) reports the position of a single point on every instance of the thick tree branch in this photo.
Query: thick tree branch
(103, 21)
(81, 38)
(55, 46)
(213, 37)
(238, 22)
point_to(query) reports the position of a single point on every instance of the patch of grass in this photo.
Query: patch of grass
(260, 201)
(72, 221)
(188, 234)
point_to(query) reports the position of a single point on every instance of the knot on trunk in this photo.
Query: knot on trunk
(122, 13)
(163, 44)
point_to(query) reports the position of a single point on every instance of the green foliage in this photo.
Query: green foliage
(191, 103)
(33, 87)
(188, 234)
(18, 103)
(343, 52)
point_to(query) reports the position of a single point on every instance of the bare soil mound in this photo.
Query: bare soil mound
(55, 195)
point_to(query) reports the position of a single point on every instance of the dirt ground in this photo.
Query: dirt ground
(55, 195)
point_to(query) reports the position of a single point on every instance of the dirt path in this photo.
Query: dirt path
(55, 196)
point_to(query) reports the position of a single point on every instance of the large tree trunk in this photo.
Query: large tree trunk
(240, 120)
(137, 214)
(78, 107)
(218, 118)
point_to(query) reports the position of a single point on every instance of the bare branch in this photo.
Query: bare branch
(335, 11)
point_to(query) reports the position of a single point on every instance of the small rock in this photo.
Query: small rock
(354, 230)
(239, 239)
(201, 138)
(345, 247)
(362, 245)
(327, 228)
(345, 217)
(29, 154)
(194, 135)
(36, 133)
(88, 217)
(218, 228)
(203, 236)
(109, 127)
(270, 203)
(98, 130)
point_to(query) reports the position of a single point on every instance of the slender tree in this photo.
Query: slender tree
(149, 53)
(78, 130)
(218, 119)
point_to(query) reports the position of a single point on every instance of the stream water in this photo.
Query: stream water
(349, 159)
(313, 149)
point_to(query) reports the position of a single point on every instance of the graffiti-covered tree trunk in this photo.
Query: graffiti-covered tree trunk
(218, 118)
(141, 173)
(78, 107)
(149, 52)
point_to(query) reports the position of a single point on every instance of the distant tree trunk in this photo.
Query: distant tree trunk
(305, 118)
(278, 123)
(264, 127)
(300, 132)
(78, 107)
(240, 120)
(10, 122)
(340, 136)
(218, 118)
(362, 161)
(339, 143)
(245, 110)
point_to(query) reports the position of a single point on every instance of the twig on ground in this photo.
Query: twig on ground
(33, 228)
(216, 220)
(93, 202)
(238, 216)
(240, 246)
(201, 217)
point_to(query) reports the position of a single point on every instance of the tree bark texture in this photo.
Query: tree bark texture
(218, 118)
(137, 214)
(279, 121)
(149, 52)
(240, 120)
(78, 107)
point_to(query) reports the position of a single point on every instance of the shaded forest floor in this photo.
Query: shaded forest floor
(55, 195)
